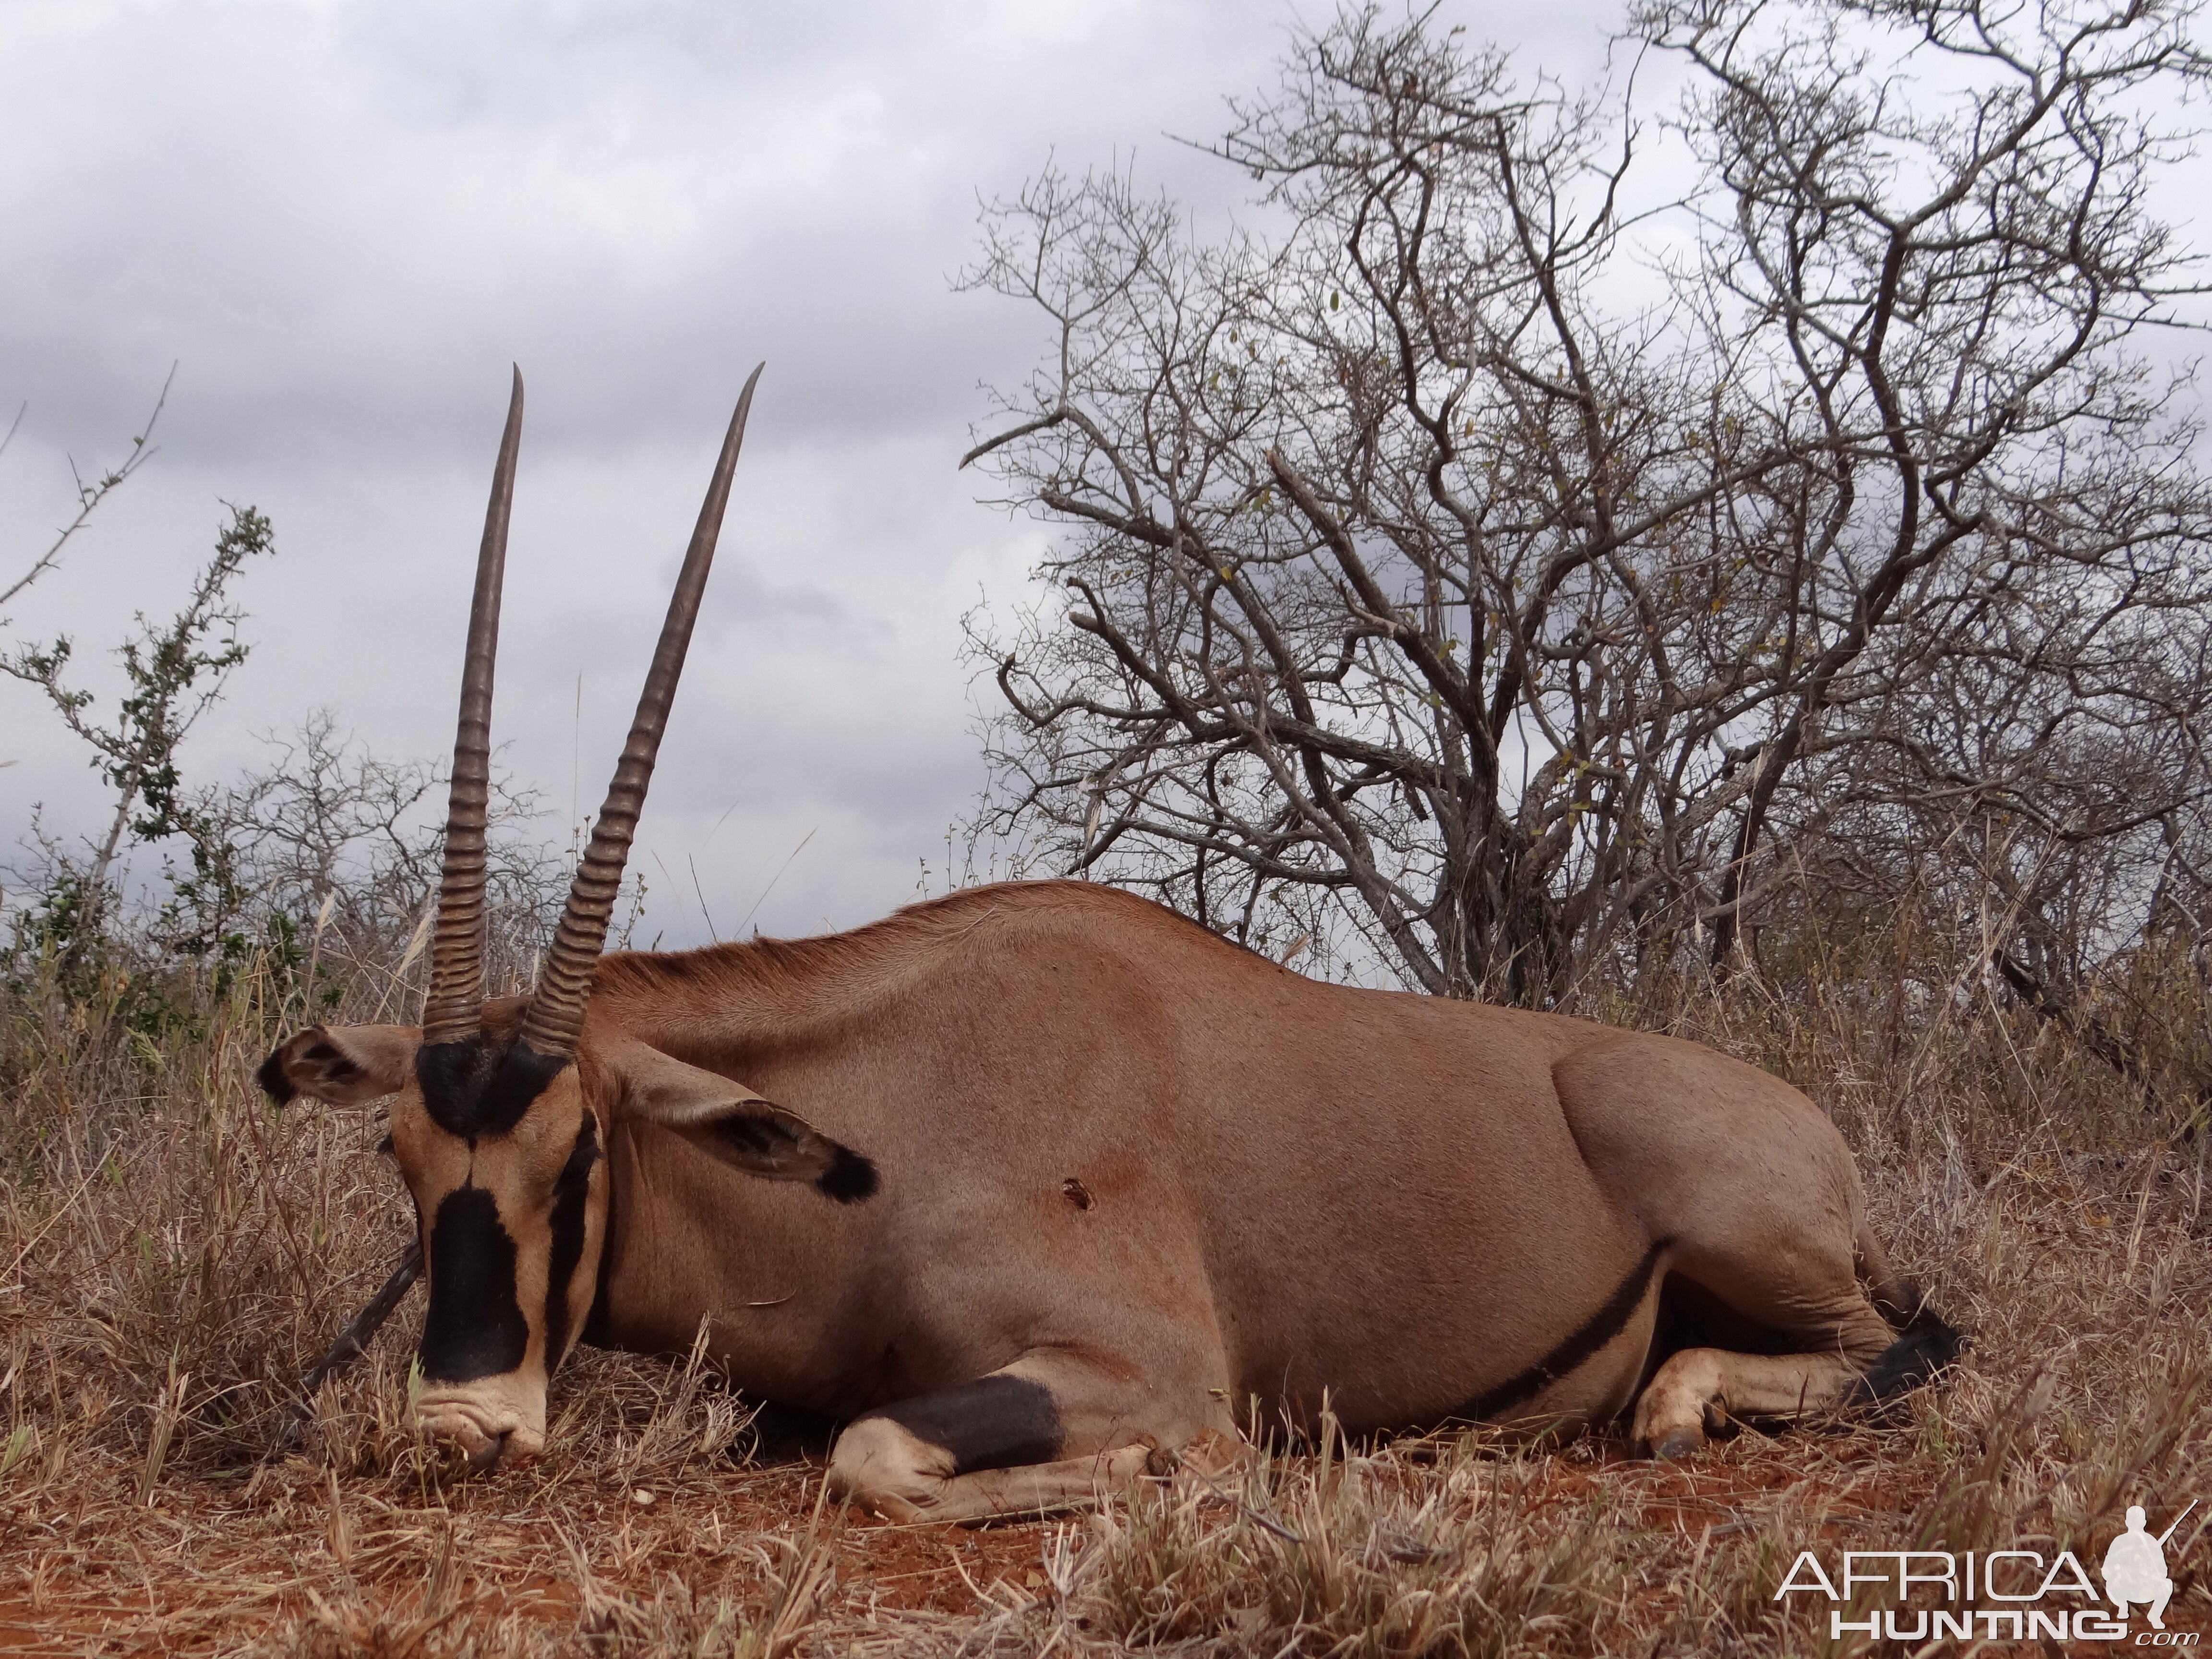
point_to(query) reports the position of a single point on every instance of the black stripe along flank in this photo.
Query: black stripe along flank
(475, 1326)
(1600, 1329)
(572, 1188)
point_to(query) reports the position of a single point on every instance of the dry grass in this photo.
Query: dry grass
(173, 1253)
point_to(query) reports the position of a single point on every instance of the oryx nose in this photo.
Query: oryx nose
(486, 1457)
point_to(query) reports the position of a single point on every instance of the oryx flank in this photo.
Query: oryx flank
(1040, 1184)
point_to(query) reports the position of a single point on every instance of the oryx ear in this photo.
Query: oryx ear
(345, 1065)
(730, 1122)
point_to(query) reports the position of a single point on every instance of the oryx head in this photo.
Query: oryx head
(503, 1111)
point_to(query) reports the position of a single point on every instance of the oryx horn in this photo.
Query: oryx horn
(555, 1014)
(450, 1009)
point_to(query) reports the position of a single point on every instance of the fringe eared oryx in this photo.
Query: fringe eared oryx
(1039, 1184)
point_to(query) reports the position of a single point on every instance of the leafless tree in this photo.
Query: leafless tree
(337, 849)
(1505, 582)
(317, 870)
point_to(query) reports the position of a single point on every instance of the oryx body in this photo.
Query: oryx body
(1039, 1184)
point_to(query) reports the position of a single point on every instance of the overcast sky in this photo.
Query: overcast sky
(343, 221)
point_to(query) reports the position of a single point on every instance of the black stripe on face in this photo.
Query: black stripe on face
(1600, 1329)
(475, 1088)
(475, 1326)
(571, 1190)
(992, 1423)
(595, 1321)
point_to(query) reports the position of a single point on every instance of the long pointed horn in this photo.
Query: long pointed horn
(555, 1014)
(450, 1011)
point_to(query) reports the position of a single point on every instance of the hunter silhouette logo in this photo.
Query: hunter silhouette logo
(2135, 1566)
(1993, 1595)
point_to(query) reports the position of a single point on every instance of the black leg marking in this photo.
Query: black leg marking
(1600, 1329)
(1926, 1347)
(993, 1422)
(571, 1190)
(474, 1326)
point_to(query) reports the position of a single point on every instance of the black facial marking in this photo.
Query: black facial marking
(474, 1087)
(571, 1188)
(475, 1326)
(849, 1178)
(274, 1083)
(1600, 1329)
(595, 1321)
(993, 1422)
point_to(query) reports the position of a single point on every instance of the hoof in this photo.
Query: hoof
(1676, 1444)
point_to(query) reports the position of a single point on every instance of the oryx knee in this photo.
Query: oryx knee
(896, 1460)
(888, 1470)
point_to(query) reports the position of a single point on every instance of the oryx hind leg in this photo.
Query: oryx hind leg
(1050, 1432)
(1801, 1296)
(1699, 1388)
(1755, 1193)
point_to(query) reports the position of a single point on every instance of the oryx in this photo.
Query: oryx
(1038, 1183)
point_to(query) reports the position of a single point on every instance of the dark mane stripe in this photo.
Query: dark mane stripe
(776, 961)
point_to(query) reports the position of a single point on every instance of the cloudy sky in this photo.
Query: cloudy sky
(343, 221)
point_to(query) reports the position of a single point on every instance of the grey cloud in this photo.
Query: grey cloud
(346, 220)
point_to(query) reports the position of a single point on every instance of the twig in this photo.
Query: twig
(772, 881)
(89, 496)
(352, 1340)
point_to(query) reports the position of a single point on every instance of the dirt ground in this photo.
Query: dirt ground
(669, 1519)
(287, 1557)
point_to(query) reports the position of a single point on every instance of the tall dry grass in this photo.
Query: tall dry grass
(174, 1252)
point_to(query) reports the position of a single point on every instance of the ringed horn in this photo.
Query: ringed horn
(450, 1009)
(555, 1014)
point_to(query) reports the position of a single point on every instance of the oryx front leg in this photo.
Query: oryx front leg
(1017, 1441)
